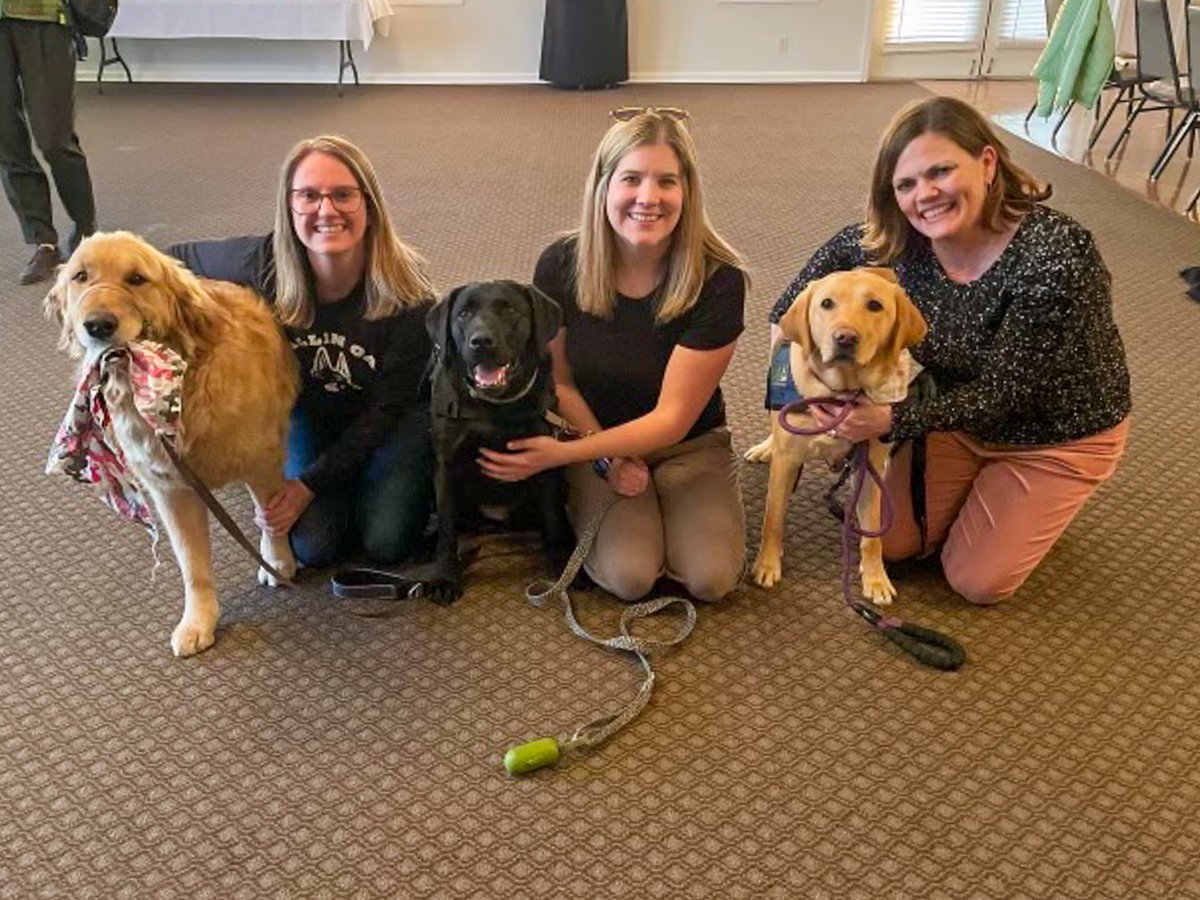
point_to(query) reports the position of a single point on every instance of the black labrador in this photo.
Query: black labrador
(491, 382)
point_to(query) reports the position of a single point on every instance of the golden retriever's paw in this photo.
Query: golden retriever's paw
(279, 554)
(766, 572)
(878, 588)
(193, 635)
(760, 452)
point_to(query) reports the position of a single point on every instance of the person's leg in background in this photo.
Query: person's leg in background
(1019, 505)
(704, 521)
(50, 106)
(395, 493)
(628, 554)
(25, 183)
(320, 537)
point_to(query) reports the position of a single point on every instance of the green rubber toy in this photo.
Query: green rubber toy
(525, 758)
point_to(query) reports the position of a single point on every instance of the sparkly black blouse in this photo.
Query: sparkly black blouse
(1026, 354)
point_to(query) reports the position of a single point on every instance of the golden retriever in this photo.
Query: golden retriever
(238, 391)
(849, 332)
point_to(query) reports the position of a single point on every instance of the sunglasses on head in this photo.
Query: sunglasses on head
(625, 113)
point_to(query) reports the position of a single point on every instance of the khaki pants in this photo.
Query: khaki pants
(689, 524)
(995, 511)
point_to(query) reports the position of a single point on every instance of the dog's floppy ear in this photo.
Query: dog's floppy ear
(881, 272)
(793, 324)
(547, 317)
(195, 313)
(437, 321)
(54, 305)
(910, 327)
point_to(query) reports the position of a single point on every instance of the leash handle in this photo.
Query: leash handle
(374, 584)
(932, 648)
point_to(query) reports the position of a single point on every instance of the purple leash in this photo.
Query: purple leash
(926, 645)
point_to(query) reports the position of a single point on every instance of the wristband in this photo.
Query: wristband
(601, 466)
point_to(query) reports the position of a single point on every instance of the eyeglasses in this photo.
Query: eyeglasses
(305, 201)
(625, 113)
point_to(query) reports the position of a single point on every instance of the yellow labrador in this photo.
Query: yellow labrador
(849, 332)
(240, 384)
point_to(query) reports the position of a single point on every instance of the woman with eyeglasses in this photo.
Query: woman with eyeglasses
(352, 298)
(652, 301)
(1030, 392)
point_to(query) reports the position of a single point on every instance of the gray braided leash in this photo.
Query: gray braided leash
(546, 751)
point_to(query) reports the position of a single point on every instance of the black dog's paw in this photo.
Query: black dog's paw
(443, 591)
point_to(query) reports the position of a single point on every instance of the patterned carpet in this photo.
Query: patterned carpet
(787, 752)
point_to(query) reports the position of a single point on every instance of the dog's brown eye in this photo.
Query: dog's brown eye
(826, 303)
(874, 305)
(80, 276)
(135, 279)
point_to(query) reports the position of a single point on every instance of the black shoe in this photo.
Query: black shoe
(42, 265)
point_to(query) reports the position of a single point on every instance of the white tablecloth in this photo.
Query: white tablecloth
(287, 20)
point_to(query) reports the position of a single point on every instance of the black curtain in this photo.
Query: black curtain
(585, 43)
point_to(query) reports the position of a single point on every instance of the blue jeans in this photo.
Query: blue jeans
(382, 510)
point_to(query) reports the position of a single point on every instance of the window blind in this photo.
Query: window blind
(935, 21)
(1023, 20)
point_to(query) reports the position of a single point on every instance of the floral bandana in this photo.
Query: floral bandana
(86, 447)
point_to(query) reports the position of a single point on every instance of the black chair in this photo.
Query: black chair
(1160, 87)
(1124, 79)
(1193, 56)
(1188, 100)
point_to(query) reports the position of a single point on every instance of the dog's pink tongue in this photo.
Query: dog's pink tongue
(490, 377)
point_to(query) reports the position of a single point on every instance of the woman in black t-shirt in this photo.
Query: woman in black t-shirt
(652, 301)
(353, 298)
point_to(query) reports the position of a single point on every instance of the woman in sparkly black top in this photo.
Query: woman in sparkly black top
(1030, 409)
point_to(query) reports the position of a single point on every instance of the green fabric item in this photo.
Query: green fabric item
(34, 10)
(1078, 57)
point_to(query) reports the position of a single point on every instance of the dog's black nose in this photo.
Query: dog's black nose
(845, 340)
(481, 341)
(100, 325)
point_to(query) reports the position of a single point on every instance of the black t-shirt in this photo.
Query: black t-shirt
(356, 376)
(619, 364)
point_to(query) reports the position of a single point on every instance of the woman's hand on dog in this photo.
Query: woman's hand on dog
(867, 420)
(283, 509)
(528, 456)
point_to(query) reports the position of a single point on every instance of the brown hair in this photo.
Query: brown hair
(696, 248)
(395, 273)
(1012, 193)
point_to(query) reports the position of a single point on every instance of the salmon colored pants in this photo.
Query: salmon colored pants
(995, 511)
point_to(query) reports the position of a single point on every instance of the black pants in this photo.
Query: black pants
(37, 94)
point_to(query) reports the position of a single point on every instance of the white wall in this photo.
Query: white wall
(494, 41)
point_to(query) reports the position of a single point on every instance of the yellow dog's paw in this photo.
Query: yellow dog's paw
(766, 572)
(760, 452)
(193, 635)
(878, 588)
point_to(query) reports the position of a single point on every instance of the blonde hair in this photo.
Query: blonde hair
(395, 273)
(1012, 193)
(696, 249)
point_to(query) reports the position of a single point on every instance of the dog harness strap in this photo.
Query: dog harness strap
(535, 754)
(194, 482)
